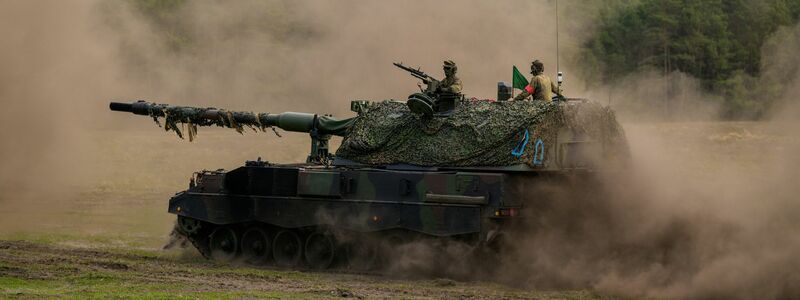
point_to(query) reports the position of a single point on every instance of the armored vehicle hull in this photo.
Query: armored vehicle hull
(464, 176)
(283, 213)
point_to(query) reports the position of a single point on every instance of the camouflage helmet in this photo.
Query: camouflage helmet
(449, 64)
(537, 67)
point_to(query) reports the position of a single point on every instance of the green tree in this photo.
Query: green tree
(716, 41)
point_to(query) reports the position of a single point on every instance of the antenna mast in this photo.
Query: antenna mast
(557, 66)
(559, 77)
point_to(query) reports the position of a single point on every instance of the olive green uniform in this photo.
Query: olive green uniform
(543, 89)
(451, 84)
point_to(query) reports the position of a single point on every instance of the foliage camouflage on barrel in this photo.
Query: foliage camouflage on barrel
(192, 117)
(189, 118)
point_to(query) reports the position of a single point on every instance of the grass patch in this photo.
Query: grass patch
(106, 286)
(223, 270)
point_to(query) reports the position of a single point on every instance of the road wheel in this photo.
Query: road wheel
(287, 248)
(224, 244)
(320, 250)
(189, 226)
(256, 246)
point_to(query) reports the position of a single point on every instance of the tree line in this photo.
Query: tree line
(719, 42)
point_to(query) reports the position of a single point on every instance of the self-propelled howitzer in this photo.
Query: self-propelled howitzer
(398, 177)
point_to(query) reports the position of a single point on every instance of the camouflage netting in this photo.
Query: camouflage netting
(478, 133)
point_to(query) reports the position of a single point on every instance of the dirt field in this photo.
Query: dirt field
(37, 270)
(104, 239)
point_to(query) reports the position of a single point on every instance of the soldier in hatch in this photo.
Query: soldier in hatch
(450, 83)
(541, 87)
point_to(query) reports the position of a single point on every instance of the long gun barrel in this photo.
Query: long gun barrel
(416, 73)
(195, 116)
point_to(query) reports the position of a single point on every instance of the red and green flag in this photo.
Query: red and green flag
(518, 81)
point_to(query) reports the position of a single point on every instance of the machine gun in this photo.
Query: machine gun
(432, 83)
(431, 100)
(319, 127)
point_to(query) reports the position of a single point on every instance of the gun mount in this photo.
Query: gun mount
(320, 128)
(431, 99)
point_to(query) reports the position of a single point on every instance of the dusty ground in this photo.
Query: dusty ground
(102, 237)
(42, 270)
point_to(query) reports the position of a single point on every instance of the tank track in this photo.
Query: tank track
(372, 259)
(201, 245)
(199, 238)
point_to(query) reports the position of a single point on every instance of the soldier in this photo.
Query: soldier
(450, 83)
(540, 86)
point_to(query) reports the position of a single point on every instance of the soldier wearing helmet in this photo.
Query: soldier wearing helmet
(450, 83)
(541, 87)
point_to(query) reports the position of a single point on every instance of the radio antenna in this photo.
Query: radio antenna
(559, 77)
(557, 66)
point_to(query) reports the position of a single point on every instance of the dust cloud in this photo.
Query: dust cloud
(714, 215)
(679, 224)
(62, 63)
(708, 209)
(50, 68)
(276, 56)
